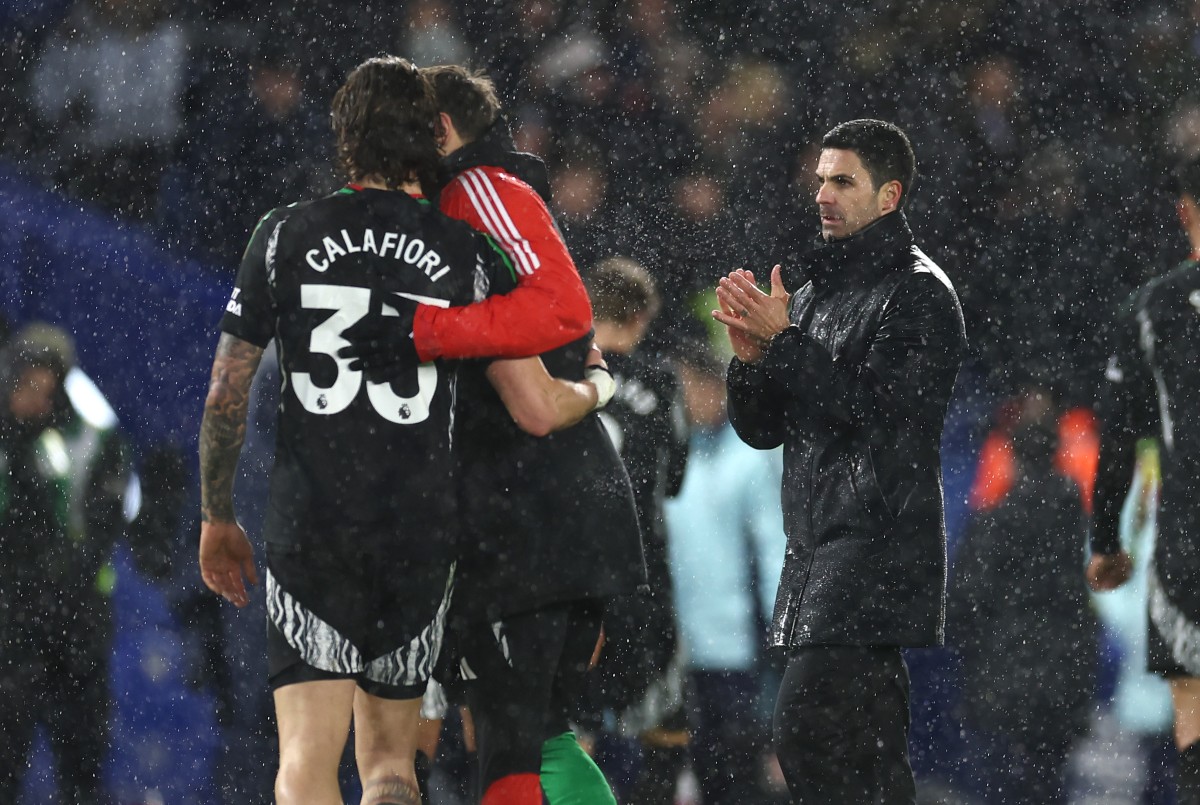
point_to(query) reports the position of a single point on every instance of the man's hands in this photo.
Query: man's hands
(1108, 571)
(381, 347)
(752, 318)
(225, 554)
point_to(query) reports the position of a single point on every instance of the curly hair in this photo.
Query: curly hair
(386, 120)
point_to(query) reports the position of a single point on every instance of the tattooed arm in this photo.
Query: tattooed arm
(225, 552)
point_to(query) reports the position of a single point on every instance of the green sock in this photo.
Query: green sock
(570, 776)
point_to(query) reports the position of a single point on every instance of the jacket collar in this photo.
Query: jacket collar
(865, 252)
(495, 148)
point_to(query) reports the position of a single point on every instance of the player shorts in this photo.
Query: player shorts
(362, 616)
(1173, 639)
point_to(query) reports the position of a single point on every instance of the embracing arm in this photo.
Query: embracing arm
(225, 553)
(548, 308)
(539, 403)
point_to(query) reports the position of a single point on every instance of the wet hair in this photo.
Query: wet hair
(1187, 178)
(620, 289)
(884, 149)
(386, 123)
(467, 96)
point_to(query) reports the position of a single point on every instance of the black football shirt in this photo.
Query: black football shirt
(359, 465)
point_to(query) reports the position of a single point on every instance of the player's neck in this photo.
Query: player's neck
(371, 183)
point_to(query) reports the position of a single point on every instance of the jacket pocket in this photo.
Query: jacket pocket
(870, 492)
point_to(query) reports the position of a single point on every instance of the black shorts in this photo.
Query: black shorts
(361, 616)
(525, 676)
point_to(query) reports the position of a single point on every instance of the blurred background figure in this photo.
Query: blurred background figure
(109, 88)
(251, 153)
(1024, 629)
(639, 680)
(726, 543)
(67, 495)
(429, 34)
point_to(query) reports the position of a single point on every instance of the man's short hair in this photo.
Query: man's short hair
(1187, 178)
(467, 96)
(620, 288)
(385, 119)
(884, 149)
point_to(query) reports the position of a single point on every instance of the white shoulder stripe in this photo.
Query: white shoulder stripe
(490, 224)
(506, 229)
(489, 189)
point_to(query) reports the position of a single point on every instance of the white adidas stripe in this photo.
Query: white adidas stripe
(499, 223)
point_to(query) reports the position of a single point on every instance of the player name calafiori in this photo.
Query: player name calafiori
(399, 245)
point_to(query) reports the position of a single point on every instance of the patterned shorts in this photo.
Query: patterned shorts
(375, 619)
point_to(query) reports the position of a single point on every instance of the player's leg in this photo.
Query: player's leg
(21, 699)
(314, 722)
(1185, 695)
(385, 746)
(515, 662)
(569, 775)
(841, 726)
(429, 734)
(78, 727)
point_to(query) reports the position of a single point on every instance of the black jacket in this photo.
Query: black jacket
(856, 390)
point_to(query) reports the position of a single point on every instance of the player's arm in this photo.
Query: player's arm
(550, 306)
(225, 553)
(1127, 413)
(541, 404)
(247, 327)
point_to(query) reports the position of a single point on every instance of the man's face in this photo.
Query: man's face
(847, 199)
(32, 397)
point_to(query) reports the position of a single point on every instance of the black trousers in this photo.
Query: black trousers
(531, 670)
(841, 726)
(58, 677)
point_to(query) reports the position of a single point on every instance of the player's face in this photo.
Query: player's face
(847, 199)
(33, 396)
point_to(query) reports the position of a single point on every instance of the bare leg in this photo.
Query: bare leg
(1185, 694)
(385, 745)
(314, 721)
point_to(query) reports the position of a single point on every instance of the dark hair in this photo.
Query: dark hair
(621, 289)
(1187, 178)
(386, 120)
(884, 149)
(467, 96)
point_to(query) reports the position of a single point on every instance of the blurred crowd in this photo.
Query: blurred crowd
(682, 134)
(678, 133)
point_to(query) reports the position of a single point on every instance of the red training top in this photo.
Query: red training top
(549, 307)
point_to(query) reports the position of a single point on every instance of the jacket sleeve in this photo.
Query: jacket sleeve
(911, 361)
(755, 405)
(1127, 413)
(549, 307)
